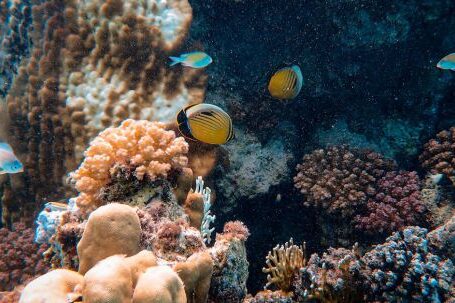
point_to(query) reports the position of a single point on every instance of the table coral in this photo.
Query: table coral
(145, 147)
(438, 154)
(340, 178)
(21, 259)
(404, 267)
(397, 204)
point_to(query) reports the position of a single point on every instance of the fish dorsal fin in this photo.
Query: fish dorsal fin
(6, 146)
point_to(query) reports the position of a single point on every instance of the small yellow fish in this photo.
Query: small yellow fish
(206, 123)
(286, 83)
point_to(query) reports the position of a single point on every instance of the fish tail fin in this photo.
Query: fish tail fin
(175, 60)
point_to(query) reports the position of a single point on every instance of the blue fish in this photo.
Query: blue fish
(194, 59)
(9, 164)
(448, 62)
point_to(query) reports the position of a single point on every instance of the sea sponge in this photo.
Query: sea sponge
(52, 287)
(111, 229)
(339, 178)
(145, 147)
(196, 273)
(159, 284)
(139, 263)
(438, 154)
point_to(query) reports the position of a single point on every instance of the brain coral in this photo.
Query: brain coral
(439, 154)
(147, 148)
(396, 205)
(340, 178)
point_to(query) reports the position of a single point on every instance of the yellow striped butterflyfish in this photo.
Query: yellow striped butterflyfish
(286, 83)
(206, 123)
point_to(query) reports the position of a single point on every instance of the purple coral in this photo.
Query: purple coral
(396, 205)
(404, 267)
(20, 258)
(340, 178)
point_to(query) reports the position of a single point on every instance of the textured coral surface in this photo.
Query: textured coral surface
(20, 258)
(439, 154)
(147, 147)
(340, 178)
(396, 205)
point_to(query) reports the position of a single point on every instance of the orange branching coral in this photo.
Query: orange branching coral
(283, 262)
(146, 147)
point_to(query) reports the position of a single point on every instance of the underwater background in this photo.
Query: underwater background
(342, 193)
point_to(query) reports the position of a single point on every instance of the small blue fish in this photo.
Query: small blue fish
(194, 60)
(448, 62)
(9, 164)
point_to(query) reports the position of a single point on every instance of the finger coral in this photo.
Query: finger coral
(20, 258)
(340, 178)
(145, 147)
(438, 154)
(397, 204)
(283, 262)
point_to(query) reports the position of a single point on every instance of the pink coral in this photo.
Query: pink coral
(146, 147)
(339, 178)
(439, 154)
(20, 258)
(236, 229)
(397, 204)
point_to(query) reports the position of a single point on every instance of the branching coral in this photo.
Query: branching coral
(340, 178)
(20, 258)
(145, 147)
(283, 262)
(333, 277)
(439, 154)
(404, 267)
(396, 204)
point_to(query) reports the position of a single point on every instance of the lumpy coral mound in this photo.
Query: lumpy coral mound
(340, 178)
(397, 204)
(439, 154)
(147, 148)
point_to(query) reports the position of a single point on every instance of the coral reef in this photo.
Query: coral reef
(21, 258)
(404, 267)
(340, 179)
(438, 155)
(397, 204)
(91, 65)
(145, 147)
(438, 197)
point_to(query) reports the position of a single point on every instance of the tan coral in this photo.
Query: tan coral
(126, 73)
(109, 281)
(146, 147)
(159, 284)
(139, 263)
(196, 274)
(111, 229)
(283, 262)
(52, 287)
